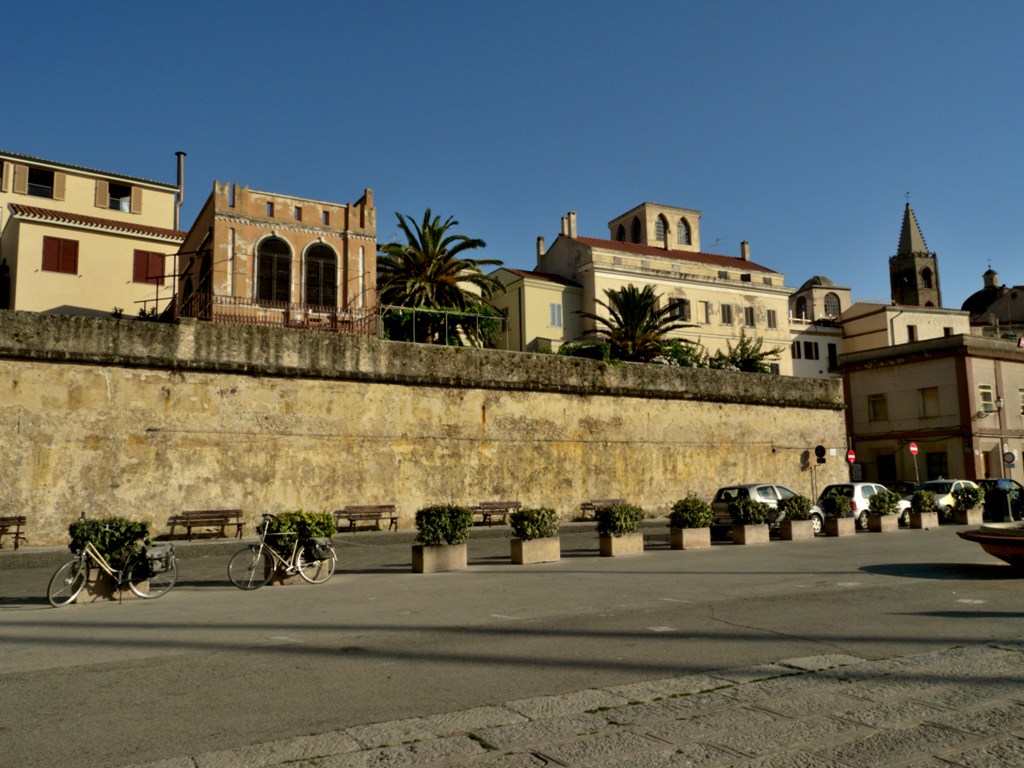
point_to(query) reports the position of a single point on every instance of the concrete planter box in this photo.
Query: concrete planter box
(690, 538)
(100, 587)
(750, 534)
(796, 530)
(627, 544)
(924, 520)
(970, 517)
(840, 526)
(883, 523)
(527, 551)
(446, 557)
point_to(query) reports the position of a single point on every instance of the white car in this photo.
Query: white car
(860, 497)
(766, 493)
(943, 490)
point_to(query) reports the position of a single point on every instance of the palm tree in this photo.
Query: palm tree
(748, 355)
(636, 326)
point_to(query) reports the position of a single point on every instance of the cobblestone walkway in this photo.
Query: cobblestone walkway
(957, 707)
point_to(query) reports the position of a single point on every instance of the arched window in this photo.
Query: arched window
(926, 277)
(831, 305)
(683, 235)
(660, 225)
(321, 286)
(635, 234)
(273, 270)
(620, 235)
(801, 308)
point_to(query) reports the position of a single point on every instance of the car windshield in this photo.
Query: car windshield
(936, 487)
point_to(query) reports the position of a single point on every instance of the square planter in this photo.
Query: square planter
(690, 538)
(840, 526)
(750, 534)
(796, 530)
(526, 551)
(100, 587)
(970, 517)
(924, 520)
(446, 557)
(627, 544)
(883, 523)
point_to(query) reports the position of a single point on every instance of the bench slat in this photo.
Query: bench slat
(15, 522)
(207, 518)
(375, 513)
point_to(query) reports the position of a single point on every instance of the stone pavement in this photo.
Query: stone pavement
(958, 707)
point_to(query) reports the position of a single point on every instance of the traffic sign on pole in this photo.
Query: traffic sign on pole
(851, 456)
(913, 449)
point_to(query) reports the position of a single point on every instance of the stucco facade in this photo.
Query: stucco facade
(871, 326)
(542, 310)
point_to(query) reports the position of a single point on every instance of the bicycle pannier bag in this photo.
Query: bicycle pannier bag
(319, 549)
(160, 556)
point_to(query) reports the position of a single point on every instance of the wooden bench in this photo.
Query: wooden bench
(489, 510)
(11, 526)
(591, 507)
(367, 513)
(207, 518)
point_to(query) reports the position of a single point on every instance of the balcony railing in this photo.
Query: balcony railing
(231, 309)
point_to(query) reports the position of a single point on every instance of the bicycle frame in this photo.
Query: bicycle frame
(255, 565)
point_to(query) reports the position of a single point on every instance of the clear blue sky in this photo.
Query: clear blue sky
(799, 126)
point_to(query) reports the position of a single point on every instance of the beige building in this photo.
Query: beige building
(541, 310)
(260, 257)
(815, 309)
(871, 326)
(79, 241)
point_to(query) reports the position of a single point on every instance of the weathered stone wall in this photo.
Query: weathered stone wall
(144, 419)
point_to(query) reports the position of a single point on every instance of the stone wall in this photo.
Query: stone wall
(144, 419)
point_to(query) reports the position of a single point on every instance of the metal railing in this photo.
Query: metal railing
(233, 309)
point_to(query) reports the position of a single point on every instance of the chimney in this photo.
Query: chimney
(745, 250)
(181, 190)
(565, 225)
(540, 247)
(572, 224)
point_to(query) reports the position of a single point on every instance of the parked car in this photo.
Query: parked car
(768, 493)
(860, 498)
(943, 490)
(904, 488)
(994, 507)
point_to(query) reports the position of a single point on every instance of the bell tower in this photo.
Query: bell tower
(914, 270)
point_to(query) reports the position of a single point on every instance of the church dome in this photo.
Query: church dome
(817, 281)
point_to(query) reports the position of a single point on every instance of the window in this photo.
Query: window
(297, 213)
(704, 312)
(833, 356)
(928, 402)
(727, 314)
(659, 229)
(796, 350)
(120, 197)
(635, 234)
(40, 182)
(985, 401)
(748, 317)
(878, 408)
(620, 234)
(270, 210)
(911, 333)
(60, 255)
(926, 277)
(325, 218)
(273, 270)
(947, 331)
(811, 350)
(766, 280)
(683, 235)
(774, 368)
(936, 465)
(745, 277)
(773, 322)
(321, 277)
(801, 308)
(680, 309)
(831, 305)
(723, 274)
(556, 315)
(1020, 400)
(148, 268)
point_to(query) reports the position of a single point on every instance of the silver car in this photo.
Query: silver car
(860, 495)
(766, 493)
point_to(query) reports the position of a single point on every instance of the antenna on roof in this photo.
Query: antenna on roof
(717, 242)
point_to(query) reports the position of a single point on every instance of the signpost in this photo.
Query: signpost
(913, 452)
(851, 456)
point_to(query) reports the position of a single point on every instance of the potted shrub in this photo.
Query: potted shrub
(923, 512)
(967, 505)
(690, 523)
(117, 539)
(882, 509)
(441, 542)
(535, 536)
(838, 520)
(797, 524)
(618, 527)
(750, 521)
(288, 527)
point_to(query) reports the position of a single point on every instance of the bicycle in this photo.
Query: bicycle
(149, 573)
(314, 559)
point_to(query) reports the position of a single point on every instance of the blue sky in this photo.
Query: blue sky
(799, 126)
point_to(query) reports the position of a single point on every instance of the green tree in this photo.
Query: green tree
(749, 355)
(635, 327)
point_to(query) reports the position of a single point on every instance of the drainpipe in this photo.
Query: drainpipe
(181, 190)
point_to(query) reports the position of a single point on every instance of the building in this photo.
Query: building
(815, 309)
(266, 258)
(914, 270)
(80, 241)
(541, 310)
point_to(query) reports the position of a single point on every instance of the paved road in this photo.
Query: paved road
(589, 661)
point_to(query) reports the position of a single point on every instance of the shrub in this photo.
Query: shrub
(443, 524)
(796, 507)
(539, 523)
(966, 498)
(288, 527)
(691, 512)
(746, 511)
(619, 519)
(884, 503)
(836, 505)
(922, 502)
(116, 538)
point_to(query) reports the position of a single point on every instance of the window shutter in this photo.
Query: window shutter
(69, 255)
(5, 172)
(156, 268)
(137, 201)
(59, 180)
(51, 254)
(21, 179)
(282, 278)
(264, 278)
(102, 193)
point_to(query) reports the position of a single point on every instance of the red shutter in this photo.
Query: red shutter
(140, 267)
(148, 267)
(156, 268)
(51, 254)
(69, 256)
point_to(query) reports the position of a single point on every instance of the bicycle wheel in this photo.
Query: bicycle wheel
(250, 568)
(66, 583)
(145, 583)
(315, 571)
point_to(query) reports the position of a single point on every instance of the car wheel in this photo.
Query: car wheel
(817, 524)
(862, 521)
(905, 518)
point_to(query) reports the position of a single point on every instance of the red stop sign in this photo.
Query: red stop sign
(851, 456)
(913, 449)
